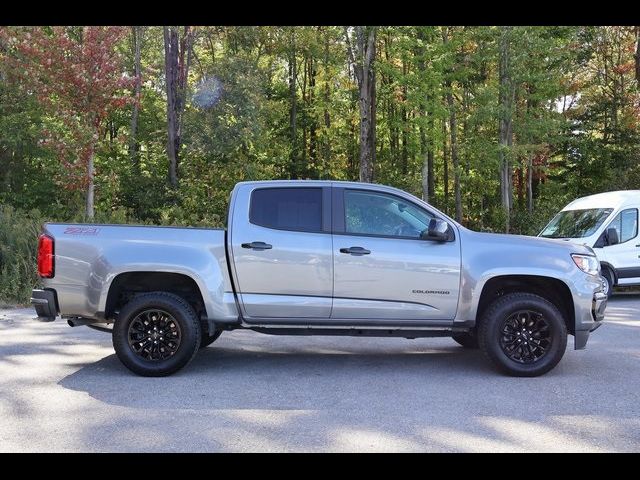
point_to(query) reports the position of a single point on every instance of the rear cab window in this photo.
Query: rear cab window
(295, 209)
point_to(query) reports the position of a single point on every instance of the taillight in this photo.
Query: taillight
(45, 256)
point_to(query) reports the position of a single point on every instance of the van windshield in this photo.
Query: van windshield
(576, 223)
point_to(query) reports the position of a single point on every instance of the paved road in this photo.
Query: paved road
(63, 389)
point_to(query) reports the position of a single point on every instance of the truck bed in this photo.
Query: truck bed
(90, 256)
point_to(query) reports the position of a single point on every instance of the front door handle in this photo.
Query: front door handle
(257, 246)
(355, 251)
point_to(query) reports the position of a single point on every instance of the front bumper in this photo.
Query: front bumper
(597, 310)
(596, 315)
(46, 304)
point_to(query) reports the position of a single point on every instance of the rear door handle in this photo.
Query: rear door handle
(257, 246)
(355, 251)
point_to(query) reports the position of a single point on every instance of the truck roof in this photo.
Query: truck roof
(308, 182)
(619, 198)
(318, 183)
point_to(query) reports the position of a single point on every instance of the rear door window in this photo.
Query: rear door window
(296, 209)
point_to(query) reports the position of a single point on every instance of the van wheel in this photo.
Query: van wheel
(156, 334)
(467, 340)
(608, 281)
(523, 334)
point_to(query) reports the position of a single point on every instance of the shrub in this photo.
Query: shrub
(18, 251)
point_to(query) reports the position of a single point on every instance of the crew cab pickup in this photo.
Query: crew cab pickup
(320, 258)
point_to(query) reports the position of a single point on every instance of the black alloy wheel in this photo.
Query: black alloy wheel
(523, 334)
(526, 336)
(154, 335)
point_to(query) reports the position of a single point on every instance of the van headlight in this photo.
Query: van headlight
(587, 263)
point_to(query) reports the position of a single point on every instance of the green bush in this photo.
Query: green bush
(18, 253)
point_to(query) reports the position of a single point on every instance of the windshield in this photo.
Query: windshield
(576, 223)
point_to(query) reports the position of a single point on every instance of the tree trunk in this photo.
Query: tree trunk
(405, 124)
(425, 165)
(89, 210)
(530, 183)
(454, 151)
(363, 60)
(176, 74)
(431, 175)
(313, 139)
(303, 171)
(387, 82)
(430, 164)
(171, 75)
(293, 105)
(326, 144)
(507, 93)
(426, 138)
(445, 155)
(521, 186)
(353, 150)
(372, 133)
(637, 55)
(186, 43)
(465, 135)
(134, 147)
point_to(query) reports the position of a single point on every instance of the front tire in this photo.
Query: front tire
(156, 334)
(523, 334)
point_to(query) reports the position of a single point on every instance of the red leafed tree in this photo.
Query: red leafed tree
(78, 77)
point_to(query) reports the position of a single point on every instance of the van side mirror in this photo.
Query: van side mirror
(438, 230)
(612, 236)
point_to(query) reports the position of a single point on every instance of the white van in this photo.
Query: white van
(607, 222)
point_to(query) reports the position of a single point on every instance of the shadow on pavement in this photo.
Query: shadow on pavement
(241, 378)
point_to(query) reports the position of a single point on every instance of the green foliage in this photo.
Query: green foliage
(19, 232)
(250, 115)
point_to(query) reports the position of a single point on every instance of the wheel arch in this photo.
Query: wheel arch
(552, 289)
(125, 285)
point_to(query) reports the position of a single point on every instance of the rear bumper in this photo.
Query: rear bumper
(45, 303)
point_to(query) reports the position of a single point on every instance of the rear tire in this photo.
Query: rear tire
(523, 334)
(156, 334)
(467, 340)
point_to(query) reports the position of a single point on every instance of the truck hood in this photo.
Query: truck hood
(578, 241)
(489, 254)
(522, 243)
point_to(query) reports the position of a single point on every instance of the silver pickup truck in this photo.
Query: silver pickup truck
(320, 258)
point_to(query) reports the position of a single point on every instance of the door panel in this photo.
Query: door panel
(293, 278)
(298, 306)
(402, 279)
(402, 276)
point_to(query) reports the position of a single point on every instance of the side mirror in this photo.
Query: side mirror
(612, 236)
(438, 230)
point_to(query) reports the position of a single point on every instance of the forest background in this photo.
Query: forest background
(499, 127)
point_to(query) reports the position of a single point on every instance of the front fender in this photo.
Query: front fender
(473, 285)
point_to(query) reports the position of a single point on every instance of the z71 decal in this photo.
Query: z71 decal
(81, 231)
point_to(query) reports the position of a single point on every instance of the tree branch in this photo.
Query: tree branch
(352, 56)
